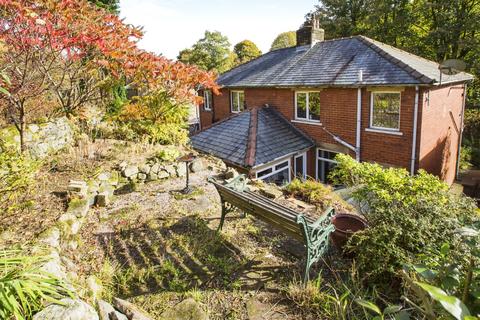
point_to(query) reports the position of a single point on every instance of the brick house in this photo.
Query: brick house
(351, 95)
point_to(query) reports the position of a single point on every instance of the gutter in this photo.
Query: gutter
(460, 138)
(414, 138)
(359, 123)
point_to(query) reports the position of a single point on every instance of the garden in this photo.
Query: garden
(94, 223)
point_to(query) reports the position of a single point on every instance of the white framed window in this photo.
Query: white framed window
(307, 105)
(385, 110)
(207, 100)
(237, 101)
(325, 164)
(300, 166)
(278, 173)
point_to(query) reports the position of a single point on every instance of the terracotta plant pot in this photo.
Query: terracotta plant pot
(345, 225)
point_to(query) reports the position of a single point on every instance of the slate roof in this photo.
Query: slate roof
(337, 63)
(251, 138)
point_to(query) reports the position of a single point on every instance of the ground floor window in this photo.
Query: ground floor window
(325, 164)
(278, 173)
(300, 166)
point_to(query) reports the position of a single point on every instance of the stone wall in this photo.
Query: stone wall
(41, 139)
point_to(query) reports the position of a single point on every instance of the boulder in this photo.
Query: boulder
(78, 187)
(181, 170)
(197, 166)
(129, 309)
(70, 223)
(155, 168)
(170, 169)
(51, 237)
(107, 312)
(144, 168)
(130, 171)
(72, 309)
(188, 309)
(162, 174)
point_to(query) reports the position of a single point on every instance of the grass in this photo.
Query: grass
(196, 192)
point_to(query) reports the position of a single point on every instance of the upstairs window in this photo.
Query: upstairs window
(207, 100)
(237, 101)
(385, 111)
(307, 106)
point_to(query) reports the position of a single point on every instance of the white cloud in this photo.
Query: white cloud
(174, 25)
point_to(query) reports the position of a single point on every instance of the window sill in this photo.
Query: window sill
(315, 123)
(394, 133)
(207, 110)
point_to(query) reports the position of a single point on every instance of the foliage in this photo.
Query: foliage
(111, 5)
(465, 158)
(471, 137)
(211, 53)
(71, 52)
(407, 216)
(246, 50)
(17, 173)
(315, 192)
(168, 154)
(435, 30)
(24, 286)
(284, 40)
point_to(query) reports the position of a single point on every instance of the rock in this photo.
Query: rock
(257, 310)
(142, 176)
(170, 169)
(115, 315)
(181, 170)
(78, 187)
(104, 176)
(197, 166)
(271, 191)
(144, 168)
(162, 174)
(129, 309)
(79, 207)
(130, 171)
(230, 173)
(102, 199)
(94, 287)
(122, 165)
(71, 225)
(71, 310)
(152, 176)
(104, 309)
(54, 266)
(188, 309)
(51, 237)
(155, 168)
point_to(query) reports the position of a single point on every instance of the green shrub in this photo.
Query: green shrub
(168, 154)
(316, 193)
(17, 173)
(24, 288)
(407, 216)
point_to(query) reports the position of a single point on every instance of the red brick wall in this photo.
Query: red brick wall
(338, 115)
(439, 139)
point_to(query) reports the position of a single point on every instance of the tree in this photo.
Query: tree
(284, 40)
(246, 50)
(111, 5)
(211, 53)
(67, 49)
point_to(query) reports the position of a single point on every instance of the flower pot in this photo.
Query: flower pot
(345, 225)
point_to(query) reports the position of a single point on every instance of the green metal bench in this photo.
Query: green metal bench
(314, 234)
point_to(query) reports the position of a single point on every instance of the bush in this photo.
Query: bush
(17, 173)
(316, 193)
(168, 154)
(24, 287)
(408, 216)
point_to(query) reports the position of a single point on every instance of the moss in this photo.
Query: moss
(77, 203)
(190, 196)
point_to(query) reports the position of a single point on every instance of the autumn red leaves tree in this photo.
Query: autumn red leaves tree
(61, 56)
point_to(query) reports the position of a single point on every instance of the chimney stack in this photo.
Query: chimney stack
(310, 32)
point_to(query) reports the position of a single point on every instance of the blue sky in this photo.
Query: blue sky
(174, 25)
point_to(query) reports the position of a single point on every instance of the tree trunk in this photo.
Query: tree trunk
(22, 126)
